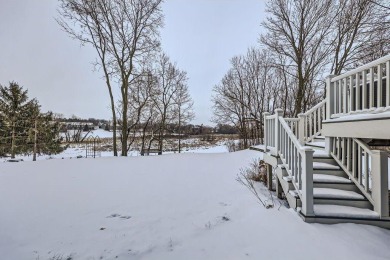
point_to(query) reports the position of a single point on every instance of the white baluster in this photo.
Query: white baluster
(364, 90)
(388, 83)
(371, 87)
(379, 87)
(358, 104)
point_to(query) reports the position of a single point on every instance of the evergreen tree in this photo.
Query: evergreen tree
(45, 135)
(20, 118)
(15, 108)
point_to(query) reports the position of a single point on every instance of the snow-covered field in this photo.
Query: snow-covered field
(77, 150)
(175, 206)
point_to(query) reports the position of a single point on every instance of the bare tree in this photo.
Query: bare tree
(247, 90)
(141, 95)
(353, 26)
(297, 30)
(376, 42)
(170, 79)
(122, 32)
(183, 109)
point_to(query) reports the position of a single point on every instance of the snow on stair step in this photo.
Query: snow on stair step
(330, 193)
(325, 178)
(317, 143)
(326, 166)
(344, 212)
(320, 153)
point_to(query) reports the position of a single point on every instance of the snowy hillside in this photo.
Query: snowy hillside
(177, 206)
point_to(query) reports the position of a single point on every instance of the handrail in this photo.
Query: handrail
(291, 119)
(361, 68)
(311, 110)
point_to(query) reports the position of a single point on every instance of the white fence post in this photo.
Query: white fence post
(279, 113)
(265, 131)
(307, 182)
(330, 89)
(379, 188)
(301, 129)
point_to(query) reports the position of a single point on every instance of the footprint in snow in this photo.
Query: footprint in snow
(113, 215)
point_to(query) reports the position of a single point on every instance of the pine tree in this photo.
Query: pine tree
(20, 117)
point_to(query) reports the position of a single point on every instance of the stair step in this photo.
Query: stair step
(325, 166)
(317, 144)
(330, 193)
(344, 212)
(294, 201)
(321, 154)
(325, 178)
(320, 137)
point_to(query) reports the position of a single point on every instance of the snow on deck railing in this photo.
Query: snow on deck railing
(296, 159)
(363, 89)
(367, 168)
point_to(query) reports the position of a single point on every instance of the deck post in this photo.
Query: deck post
(301, 129)
(278, 187)
(379, 186)
(269, 176)
(307, 182)
(265, 131)
(329, 96)
(328, 144)
(279, 113)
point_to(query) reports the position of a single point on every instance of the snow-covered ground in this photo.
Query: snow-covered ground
(78, 150)
(175, 206)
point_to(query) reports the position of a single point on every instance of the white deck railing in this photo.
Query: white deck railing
(367, 168)
(297, 160)
(362, 89)
(310, 123)
(269, 132)
(293, 123)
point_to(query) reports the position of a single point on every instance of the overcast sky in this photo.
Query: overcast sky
(200, 35)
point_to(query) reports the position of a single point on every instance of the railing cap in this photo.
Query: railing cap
(279, 111)
(307, 149)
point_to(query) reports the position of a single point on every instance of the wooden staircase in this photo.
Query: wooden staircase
(333, 176)
(336, 198)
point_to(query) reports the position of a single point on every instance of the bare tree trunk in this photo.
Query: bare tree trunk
(114, 121)
(13, 141)
(35, 141)
(124, 119)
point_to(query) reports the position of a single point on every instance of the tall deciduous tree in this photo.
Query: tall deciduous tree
(169, 81)
(297, 30)
(183, 108)
(122, 32)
